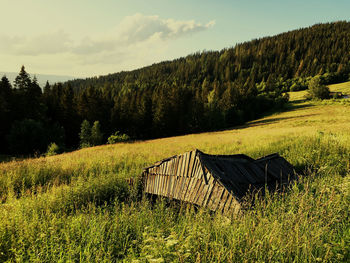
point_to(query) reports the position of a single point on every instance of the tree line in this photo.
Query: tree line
(201, 92)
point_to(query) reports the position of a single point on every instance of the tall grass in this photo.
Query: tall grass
(76, 207)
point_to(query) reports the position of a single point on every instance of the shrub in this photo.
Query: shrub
(317, 90)
(118, 137)
(52, 149)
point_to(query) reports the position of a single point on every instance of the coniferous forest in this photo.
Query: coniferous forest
(204, 91)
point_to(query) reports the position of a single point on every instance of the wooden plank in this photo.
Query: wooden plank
(192, 160)
(209, 191)
(198, 174)
(228, 204)
(192, 197)
(178, 168)
(155, 183)
(167, 167)
(150, 183)
(182, 185)
(211, 198)
(145, 184)
(189, 189)
(186, 187)
(233, 207)
(199, 192)
(177, 187)
(187, 165)
(159, 178)
(183, 164)
(194, 189)
(171, 178)
(223, 200)
(193, 194)
(176, 182)
(162, 178)
(218, 195)
(194, 169)
(173, 171)
(166, 193)
(183, 189)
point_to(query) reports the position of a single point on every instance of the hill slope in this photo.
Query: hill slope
(340, 87)
(217, 89)
(201, 92)
(74, 206)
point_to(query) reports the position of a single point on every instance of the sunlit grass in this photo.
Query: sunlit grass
(77, 207)
(340, 87)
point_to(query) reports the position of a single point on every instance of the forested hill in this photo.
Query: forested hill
(201, 92)
(319, 49)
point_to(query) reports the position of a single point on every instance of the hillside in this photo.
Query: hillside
(75, 207)
(340, 87)
(202, 92)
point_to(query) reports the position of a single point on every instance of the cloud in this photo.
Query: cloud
(132, 30)
(138, 28)
(52, 43)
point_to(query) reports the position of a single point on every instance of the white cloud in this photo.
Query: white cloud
(132, 30)
(136, 41)
(52, 43)
(138, 28)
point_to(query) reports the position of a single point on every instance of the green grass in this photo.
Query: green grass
(76, 207)
(341, 87)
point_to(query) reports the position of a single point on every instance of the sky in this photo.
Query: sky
(85, 38)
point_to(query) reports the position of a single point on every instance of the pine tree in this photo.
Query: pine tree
(6, 107)
(85, 134)
(96, 134)
(23, 81)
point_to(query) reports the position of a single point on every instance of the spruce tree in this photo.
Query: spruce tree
(23, 81)
(85, 134)
(96, 134)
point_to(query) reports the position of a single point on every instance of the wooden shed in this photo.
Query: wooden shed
(215, 181)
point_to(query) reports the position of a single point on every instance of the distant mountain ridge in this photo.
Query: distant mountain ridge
(42, 78)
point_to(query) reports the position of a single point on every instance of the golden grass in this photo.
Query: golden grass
(303, 119)
(340, 87)
(70, 207)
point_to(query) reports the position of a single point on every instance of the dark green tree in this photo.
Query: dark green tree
(85, 134)
(6, 111)
(96, 134)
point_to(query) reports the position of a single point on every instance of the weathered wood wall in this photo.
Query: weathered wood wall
(184, 178)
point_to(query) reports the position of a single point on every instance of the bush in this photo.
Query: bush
(52, 149)
(118, 137)
(317, 90)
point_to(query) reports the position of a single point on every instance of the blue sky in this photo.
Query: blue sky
(88, 37)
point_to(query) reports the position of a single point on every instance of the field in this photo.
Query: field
(341, 87)
(75, 207)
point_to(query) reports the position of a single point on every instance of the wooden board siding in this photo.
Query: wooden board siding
(214, 181)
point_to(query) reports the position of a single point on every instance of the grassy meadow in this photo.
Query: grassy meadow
(76, 207)
(340, 87)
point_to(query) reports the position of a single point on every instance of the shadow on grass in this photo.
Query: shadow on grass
(274, 120)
